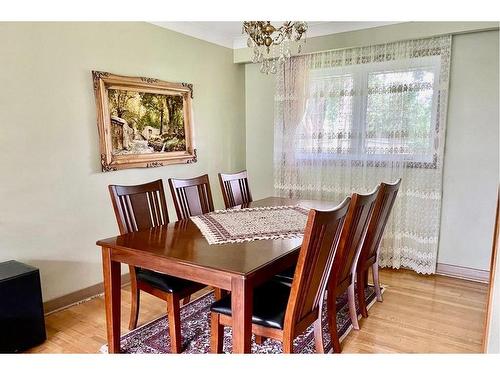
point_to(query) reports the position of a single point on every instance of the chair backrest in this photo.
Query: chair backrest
(381, 211)
(139, 206)
(321, 237)
(235, 188)
(353, 232)
(192, 196)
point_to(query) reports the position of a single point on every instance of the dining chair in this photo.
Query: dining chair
(368, 256)
(141, 207)
(343, 272)
(235, 188)
(283, 312)
(192, 196)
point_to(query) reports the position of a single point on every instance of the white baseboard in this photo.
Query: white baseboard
(460, 272)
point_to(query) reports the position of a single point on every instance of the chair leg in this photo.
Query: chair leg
(174, 322)
(351, 299)
(318, 336)
(332, 321)
(360, 286)
(259, 340)
(217, 334)
(135, 295)
(376, 282)
(186, 300)
(287, 345)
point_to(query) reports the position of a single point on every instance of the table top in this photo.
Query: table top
(183, 242)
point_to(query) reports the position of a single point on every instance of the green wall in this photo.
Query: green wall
(54, 198)
(471, 155)
(470, 172)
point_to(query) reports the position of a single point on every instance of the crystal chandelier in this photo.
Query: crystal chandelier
(263, 37)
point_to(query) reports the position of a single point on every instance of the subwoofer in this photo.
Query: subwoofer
(22, 324)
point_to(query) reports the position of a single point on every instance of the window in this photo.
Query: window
(380, 111)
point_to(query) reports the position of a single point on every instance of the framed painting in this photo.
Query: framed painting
(143, 122)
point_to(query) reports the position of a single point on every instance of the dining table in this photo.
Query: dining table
(180, 249)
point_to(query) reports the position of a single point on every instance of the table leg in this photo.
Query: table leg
(112, 294)
(241, 306)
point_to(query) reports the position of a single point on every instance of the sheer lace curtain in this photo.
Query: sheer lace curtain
(345, 120)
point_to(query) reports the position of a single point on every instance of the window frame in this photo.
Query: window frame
(360, 74)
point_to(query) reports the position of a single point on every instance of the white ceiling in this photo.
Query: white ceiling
(228, 34)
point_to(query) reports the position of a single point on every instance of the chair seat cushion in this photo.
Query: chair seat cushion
(269, 304)
(167, 283)
(285, 277)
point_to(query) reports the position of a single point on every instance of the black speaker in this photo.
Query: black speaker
(22, 325)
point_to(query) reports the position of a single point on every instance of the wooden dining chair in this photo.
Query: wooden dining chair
(368, 256)
(141, 207)
(281, 311)
(235, 188)
(192, 196)
(343, 273)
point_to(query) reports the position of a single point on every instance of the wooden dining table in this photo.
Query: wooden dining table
(179, 249)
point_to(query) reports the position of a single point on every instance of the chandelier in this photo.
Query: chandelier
(263, 37)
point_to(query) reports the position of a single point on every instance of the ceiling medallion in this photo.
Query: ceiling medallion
(263, 37)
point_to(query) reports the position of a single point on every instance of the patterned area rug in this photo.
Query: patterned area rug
(248, 224)
(153, 337)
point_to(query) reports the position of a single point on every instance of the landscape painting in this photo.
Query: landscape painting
(143, 122)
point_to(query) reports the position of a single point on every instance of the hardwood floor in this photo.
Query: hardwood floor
(420, 314)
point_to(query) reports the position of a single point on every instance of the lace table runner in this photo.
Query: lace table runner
(249, 224)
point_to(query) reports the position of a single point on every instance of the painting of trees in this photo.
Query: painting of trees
(156, 104)
(143, 122)
(155, 119)
(118, 102)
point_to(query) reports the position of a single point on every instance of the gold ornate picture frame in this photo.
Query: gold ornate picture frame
(143, 122)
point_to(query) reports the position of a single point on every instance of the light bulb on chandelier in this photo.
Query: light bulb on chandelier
(272, 46)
